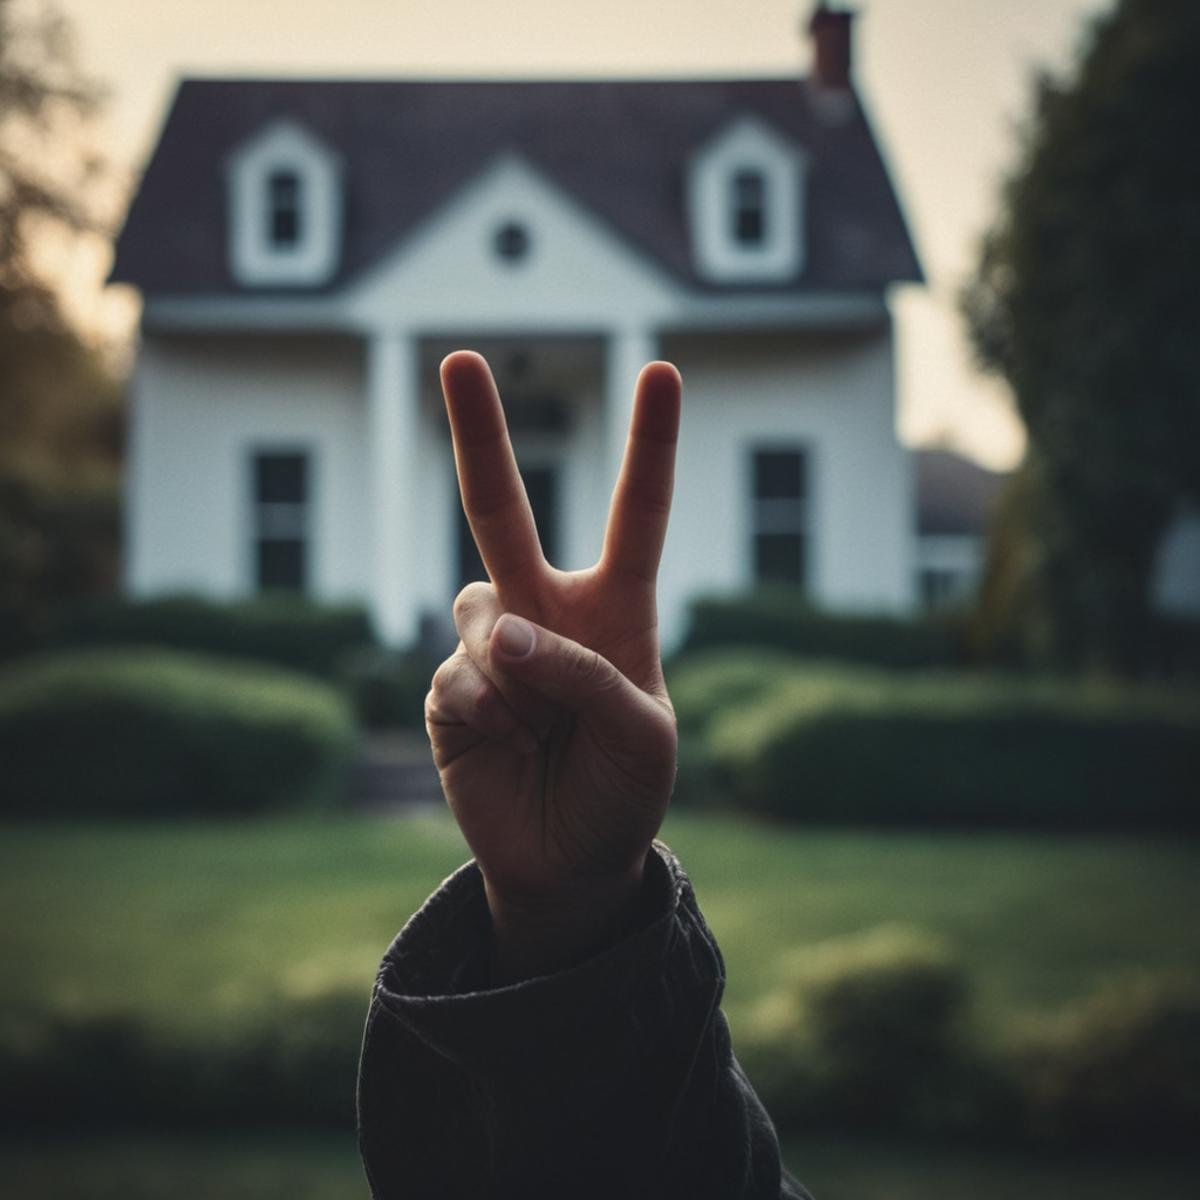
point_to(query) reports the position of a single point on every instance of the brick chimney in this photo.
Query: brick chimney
(831, 35)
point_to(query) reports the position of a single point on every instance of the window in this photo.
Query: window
(511, 241)
(281, 499)
(749, 207)
(283, 209)
(780, 516)
(746, 205)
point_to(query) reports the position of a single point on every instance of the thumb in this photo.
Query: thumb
(569, 674)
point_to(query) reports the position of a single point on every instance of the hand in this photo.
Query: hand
(550, 725)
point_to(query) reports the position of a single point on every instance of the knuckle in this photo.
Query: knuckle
(431, 714)
(443, 677)
(472, 599)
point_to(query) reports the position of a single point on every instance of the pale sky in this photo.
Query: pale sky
(943, 80)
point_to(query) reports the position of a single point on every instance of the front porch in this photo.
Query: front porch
(567, 398)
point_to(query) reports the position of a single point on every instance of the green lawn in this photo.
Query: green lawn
(195, 927)
(327, 1168)
(194, 923)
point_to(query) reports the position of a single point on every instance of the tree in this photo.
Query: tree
(1085, 299)
(60, 415)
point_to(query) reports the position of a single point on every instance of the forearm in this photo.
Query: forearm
(612, 1077)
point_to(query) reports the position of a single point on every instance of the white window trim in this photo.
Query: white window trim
(749, 144)
(253, 258)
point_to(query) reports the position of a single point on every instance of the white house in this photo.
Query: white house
(309, 250)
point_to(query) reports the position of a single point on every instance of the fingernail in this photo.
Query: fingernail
(514, 636)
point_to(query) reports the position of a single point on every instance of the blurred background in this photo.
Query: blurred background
(930, 604)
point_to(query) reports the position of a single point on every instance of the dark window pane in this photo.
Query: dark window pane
(749, 207)
(281, 478)
(281, 564)
(283, 190)
(779, 475)
(512, 241)
(541, 485)
(536, 413)
(779, 558)
(749, 226)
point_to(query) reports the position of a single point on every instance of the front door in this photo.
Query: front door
(541, 485)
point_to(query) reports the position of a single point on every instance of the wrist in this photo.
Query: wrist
(539, 933)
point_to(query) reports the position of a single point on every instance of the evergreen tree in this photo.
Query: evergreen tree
(1086, 300)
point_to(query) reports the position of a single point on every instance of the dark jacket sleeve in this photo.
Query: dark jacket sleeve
(615, 1078)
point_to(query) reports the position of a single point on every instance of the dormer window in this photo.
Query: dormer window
(746, 206)
(285, 209)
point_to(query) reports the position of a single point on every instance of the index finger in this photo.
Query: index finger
(641, 504)
(492, 493)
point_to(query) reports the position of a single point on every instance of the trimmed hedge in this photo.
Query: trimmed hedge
(874, 1032)
(294, 1065)
(871, 1032)
(287, 631)
(706, 684)
(1120, 1068)
(149, 732)
(836, 745)
(782, 619)
(702, 686)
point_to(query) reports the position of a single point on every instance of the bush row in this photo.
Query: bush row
(780, 618)
(153, 732)
(330, 642)
(875, 1034)
(296, 1066)
(871, 1034)
(833, 744)
(284, 630)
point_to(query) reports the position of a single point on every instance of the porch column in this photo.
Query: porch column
(629, 349)
(393, 428)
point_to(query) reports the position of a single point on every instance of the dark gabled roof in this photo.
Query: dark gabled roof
(620, 148)
(954, 494)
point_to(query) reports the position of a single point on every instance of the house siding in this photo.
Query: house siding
(201, 407)
(831, 395)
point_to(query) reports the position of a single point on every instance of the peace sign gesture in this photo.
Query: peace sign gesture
(550, 724)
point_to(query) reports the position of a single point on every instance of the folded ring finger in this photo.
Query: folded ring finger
(476, 611)
(462, 696)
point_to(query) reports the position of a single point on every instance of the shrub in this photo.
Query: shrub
(782, 619)
(1120, 1069)
(293, 1065)
(140, 731)
(963, 750)
(285, 630)
(704, 685)
(387, 687)
(870, 1032)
